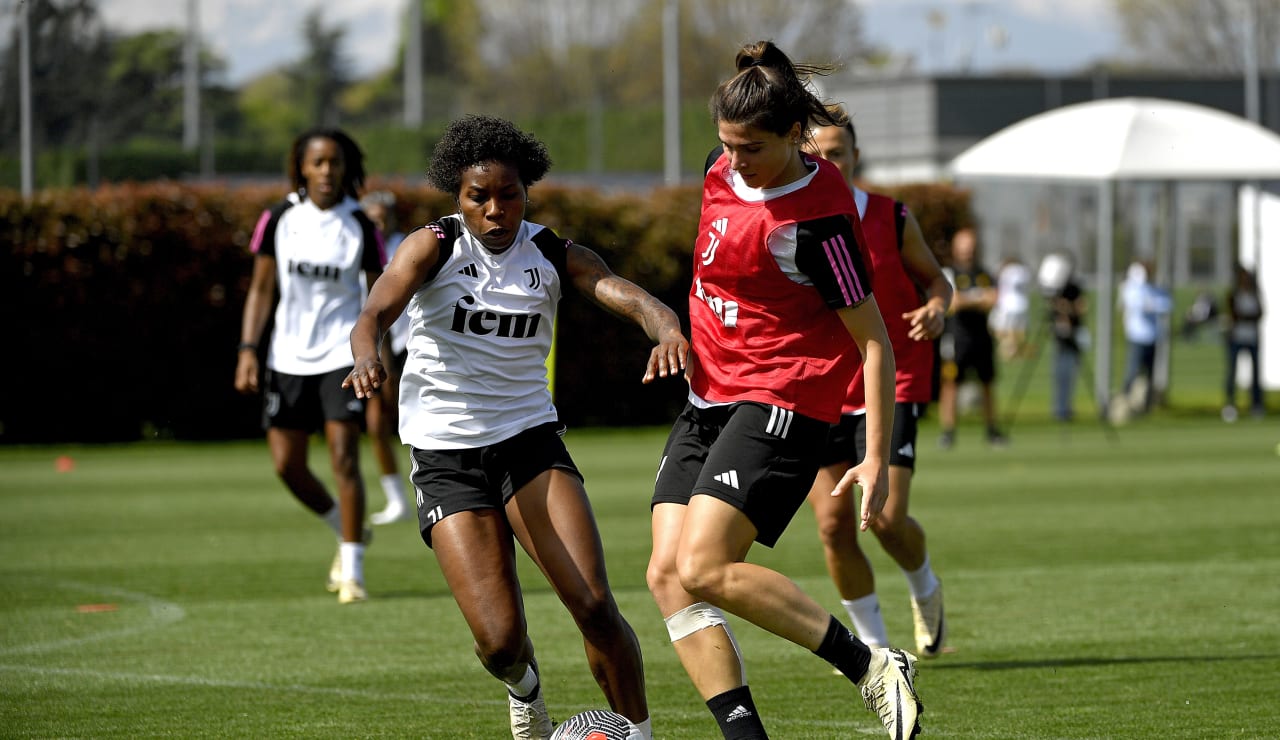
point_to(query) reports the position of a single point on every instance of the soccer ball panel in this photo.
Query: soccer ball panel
(596, 724)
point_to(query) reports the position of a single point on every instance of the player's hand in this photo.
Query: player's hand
(873, 479)
(366, 377)
(668, 359)
(925, 323)
(247, 373)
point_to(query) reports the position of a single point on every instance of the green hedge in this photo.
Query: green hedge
(124, 303)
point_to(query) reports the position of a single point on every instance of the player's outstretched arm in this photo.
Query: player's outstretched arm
(866, 326)
(623, 298)
(388, 296)
(926, 322)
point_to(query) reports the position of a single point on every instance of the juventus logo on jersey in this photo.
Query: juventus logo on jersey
(718, 228)
(535, 277)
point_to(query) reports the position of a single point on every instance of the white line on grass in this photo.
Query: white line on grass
(162, 613)
(218, 683)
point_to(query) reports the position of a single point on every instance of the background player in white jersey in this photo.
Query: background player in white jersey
(319, 252)
(383, 416)
(481, 289)
(781, 314)
(913, 294)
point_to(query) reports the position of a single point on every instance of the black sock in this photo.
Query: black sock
(844, 651)
(736, 714)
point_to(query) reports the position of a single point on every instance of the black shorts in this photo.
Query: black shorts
(760, 459)
(306, 402)
(847, 440)
(450, 481)
(969, 353)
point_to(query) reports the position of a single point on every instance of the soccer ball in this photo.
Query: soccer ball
(596, 724)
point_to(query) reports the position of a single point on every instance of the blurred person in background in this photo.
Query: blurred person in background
(1244, 312)
(1067, 307)
(318, 253)
(383, 410)
(967, 344)
(1142, 305)
(1009, 317)
(913, 296)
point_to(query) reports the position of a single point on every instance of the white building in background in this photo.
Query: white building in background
(910, 128)
(1260, 252)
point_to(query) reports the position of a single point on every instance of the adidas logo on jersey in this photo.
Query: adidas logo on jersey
(729, 479)
(907, 450)
(739, 712)
(470, 271)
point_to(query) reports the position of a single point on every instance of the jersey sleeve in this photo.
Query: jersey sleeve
(263, 241)
(555, 249)
(828, 253)
(447, 231)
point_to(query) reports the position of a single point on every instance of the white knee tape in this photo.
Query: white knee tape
(693, 618)
(700, 616)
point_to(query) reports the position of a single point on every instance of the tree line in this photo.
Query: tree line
(108, 105)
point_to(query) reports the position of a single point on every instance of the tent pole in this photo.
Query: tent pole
(1106, 300)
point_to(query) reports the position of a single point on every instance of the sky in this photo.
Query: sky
(977, 36)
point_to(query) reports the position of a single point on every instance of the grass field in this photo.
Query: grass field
(1099, 585)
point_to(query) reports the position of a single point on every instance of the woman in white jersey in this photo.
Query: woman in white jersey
(489, 467)
(781, 314)
(319, 252)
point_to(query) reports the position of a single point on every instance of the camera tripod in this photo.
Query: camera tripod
(1037, 341)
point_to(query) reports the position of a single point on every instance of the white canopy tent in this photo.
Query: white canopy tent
(1131, 139)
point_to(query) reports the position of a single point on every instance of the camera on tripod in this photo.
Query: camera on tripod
(1054, 281)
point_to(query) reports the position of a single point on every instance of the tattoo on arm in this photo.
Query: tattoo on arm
(621, 297)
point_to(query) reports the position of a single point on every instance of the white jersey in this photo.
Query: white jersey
(321, 257)
(479, 337)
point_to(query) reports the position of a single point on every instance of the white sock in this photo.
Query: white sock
(525, 686)
(921, 581)
(868, 622)
(646, 728)
(333, 517)
(352, 554)
(393, 487)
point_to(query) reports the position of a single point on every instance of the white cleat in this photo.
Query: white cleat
(930, 623)
(529, 721)
(334, 582)
(393, 513)
(352, 591)
(888, 689)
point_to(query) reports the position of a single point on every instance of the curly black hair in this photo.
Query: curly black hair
(352, 159)
(475, 139)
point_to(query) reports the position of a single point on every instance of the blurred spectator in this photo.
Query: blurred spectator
(1202, 311)
(1244, 311)
(967, 343)
(1013, 304)
(1142, 304)
(1067, 306)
